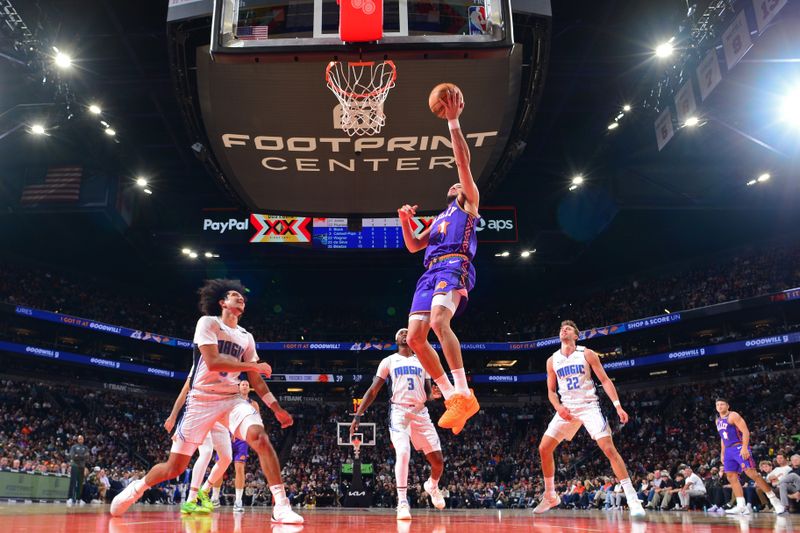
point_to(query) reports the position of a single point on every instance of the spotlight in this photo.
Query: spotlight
(110, 132)
(62, 60)
(503, 254)
(141, 182)
(193, 255)
(764, 177)
(95, 109)
(626, 108)
(573, 187)
(691, 121)
(751, 183)
(37, 129)
(577, 180)
(664, 50)
(790, 108)
(208, 255)
(148, 191)
(185, 251)
(525, 254)
(613, 125)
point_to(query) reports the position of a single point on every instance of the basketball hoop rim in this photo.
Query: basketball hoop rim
(376, 92)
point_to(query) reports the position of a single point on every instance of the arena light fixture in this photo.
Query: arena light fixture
(193, 255)
(141, 182)
(186, 251)
(751, 183)
(37, 129)
(577, 180)
(790, 109)
(573, 187)
(503, 254)
(62, 60)
(626, 107)
(110, 132)
(665, 49)
(94, 109)
(764, 177)
(613, 125)
(294, 389)
(526, 253)
(208, 255)
(147, 191)
(691, 122)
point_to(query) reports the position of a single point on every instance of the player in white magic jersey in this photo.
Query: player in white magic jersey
(409, 420)
(569, 376)
(223, 351)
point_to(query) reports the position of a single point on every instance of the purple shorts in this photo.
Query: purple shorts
(240, 451)
(734, 462)
(454, 274)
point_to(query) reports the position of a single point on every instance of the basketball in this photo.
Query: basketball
(436, 94)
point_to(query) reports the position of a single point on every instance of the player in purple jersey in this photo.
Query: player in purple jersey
(442, 291)
(737, 457)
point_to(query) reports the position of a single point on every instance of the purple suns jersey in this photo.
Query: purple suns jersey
(728, 432)
(452, 232)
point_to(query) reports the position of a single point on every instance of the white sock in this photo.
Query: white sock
(402, 494)
(279, 494)
(445, 386)
(215, 493)
(460, 381)
(549, 485)
(630, 493)
(434, 482)
(740, 502)
(239, 493)
(192, 495)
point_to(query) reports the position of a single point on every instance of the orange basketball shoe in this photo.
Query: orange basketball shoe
(460, 408)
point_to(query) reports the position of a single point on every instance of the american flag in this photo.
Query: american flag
(252, 33)
(61, 184)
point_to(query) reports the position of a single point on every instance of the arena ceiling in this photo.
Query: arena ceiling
(637, 207)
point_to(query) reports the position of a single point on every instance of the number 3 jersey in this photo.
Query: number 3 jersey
(406, 379)
(575, 385)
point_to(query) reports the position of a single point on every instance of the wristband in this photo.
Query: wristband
(269, 399)
(616, 403)
(453, 124)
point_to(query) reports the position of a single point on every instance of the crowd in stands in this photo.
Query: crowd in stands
(749, 273)
(492, 464)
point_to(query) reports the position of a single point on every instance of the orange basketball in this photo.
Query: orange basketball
(436, 94)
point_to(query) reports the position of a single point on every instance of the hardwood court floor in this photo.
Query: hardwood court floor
(57, 518)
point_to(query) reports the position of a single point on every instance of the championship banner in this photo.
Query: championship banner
(736, 40)
(664, 130)
(685, 102)
(275, 228)
(708, 74)
(765, 11)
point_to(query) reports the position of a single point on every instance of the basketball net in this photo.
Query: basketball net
(357, 447)
(361, 87)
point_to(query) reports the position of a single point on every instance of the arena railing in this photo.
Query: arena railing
(656, 321)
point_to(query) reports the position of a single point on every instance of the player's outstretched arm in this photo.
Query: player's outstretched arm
(269, 399)
(169, 423)
(608, 385)
(552, 392)
(413, 243)
(453, 103)
(366, 401)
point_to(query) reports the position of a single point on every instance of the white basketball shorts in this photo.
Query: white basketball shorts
(414, 423)
(588, 416)
(203, 410)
